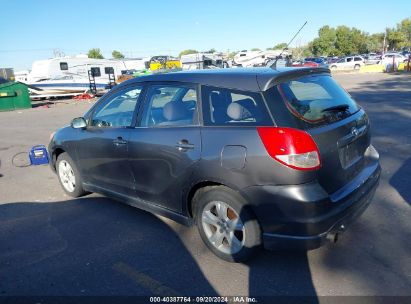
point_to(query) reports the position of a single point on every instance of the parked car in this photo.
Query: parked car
(304, 63)
(258, 156)
(319, 61)
(372, 58)
(348, 63)
(388, 58)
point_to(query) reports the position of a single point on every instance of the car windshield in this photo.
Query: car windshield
(317, 100)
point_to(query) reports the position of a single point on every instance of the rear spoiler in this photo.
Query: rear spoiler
(267, 81)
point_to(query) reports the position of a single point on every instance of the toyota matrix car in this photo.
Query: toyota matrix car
(280, 158)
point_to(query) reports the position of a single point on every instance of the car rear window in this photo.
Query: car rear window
(316, 100)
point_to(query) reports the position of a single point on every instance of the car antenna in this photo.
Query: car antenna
(274, 65)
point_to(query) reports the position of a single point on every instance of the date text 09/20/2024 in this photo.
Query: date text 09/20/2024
(203, 299)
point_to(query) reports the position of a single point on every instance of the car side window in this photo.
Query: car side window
(349, 59)
(233, 107)
(118, 111)
(170, 105)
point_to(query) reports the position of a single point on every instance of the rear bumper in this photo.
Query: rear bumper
(305, 216)
(275, 241)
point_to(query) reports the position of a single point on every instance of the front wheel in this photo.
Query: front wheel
(69, 176)
(357, 67)
(225, 224)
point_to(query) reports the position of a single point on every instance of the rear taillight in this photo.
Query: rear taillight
(291, 147)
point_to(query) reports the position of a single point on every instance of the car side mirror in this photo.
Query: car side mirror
(78, 123)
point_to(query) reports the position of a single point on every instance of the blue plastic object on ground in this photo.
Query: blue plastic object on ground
(39, 155)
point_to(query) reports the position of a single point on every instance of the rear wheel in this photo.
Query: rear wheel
(333, 67)
(225, 224)
(69, 176)
(357, 67)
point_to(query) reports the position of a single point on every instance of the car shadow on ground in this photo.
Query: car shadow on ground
(97, 246)
(92, 246)
(400, 180)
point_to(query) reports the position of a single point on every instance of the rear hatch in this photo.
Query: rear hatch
(340, 128)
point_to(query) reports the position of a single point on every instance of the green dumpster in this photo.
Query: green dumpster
(13, 96)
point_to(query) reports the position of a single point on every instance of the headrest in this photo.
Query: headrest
(175, 110)
(242, 109)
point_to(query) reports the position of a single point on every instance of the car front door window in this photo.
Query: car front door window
(118, 111)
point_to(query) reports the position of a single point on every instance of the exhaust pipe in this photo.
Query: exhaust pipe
(333, 237)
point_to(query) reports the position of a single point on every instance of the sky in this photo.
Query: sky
(31, 30)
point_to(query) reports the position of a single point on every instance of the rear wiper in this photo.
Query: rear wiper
(339, 108)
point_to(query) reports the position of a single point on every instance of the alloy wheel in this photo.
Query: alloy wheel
(223, 227)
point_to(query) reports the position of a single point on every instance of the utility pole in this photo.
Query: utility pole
(385, 38)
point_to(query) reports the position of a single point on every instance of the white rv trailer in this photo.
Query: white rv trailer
(201, 61)
(69, 75)
(136, 64)
(256, 58)
(80, 65)
(22, 76)
(55, 67)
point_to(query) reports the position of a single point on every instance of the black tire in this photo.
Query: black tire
(78, 185)
(333, 67)
(250, 235)
(357, 67)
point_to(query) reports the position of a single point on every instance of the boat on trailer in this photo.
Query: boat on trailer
(256, 58)
(66, 85)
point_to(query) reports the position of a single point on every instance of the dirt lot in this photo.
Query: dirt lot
(54, 245)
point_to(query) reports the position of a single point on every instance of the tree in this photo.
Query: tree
(280, 46)
(375, 42)
(405, 28)
(343, 44)
(399, 37)
(231, 55)
(211, 51)
(303, 51)
(359, 40)
(325, 43)
(95, 53)
(186, 52)
(117, 54)
(395, 38)
(255, 49)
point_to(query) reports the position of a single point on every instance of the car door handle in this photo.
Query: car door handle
(119, 141)
(184, 145)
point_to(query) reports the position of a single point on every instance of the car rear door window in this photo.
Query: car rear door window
(233, 107)
(170, 105)
(118, 110)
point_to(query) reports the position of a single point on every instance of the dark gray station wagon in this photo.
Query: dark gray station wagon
(279, 158)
